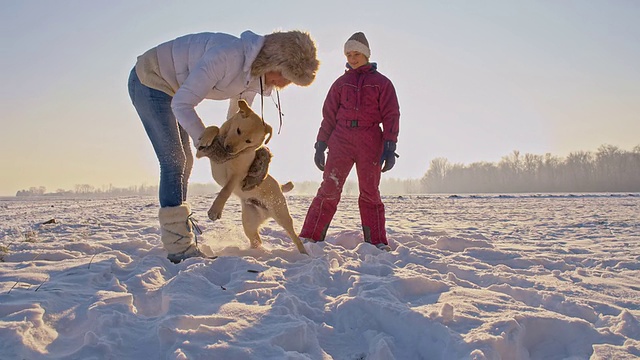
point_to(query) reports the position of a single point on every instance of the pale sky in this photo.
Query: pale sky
(476, 80)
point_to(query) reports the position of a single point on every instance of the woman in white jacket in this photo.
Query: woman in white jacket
(171, 79)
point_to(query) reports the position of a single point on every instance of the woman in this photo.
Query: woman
(360, 126)
(171, 79)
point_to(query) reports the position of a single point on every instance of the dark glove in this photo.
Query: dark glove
(318, 158)
(388, 159)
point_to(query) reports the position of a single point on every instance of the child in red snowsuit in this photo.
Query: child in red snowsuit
(356, 105)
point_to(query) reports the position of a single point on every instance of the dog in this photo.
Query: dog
(238, 138)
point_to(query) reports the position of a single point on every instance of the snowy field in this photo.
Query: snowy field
(470, 277)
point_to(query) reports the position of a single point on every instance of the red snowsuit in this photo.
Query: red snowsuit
(357, 103)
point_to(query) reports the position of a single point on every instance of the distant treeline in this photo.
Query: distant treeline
(610, 169)
(90, 190)
(388, 186)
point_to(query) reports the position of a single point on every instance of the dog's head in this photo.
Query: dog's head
(245, 130)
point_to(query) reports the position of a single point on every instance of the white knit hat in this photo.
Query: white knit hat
(358, 42)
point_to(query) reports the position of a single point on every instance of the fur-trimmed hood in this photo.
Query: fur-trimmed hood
(293, 53)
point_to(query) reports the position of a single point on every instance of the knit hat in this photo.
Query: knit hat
(358, 42)
(293, 53)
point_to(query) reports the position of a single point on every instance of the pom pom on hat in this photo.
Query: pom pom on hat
(358, 42)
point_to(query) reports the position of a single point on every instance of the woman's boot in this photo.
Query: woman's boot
(177, 233)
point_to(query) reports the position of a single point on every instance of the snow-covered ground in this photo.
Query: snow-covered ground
(469, 277)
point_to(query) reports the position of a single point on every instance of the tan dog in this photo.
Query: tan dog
(239, 138)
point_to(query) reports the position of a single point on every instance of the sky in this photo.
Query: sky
(472, 278)
(475, 81)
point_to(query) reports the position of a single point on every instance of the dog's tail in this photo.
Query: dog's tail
(286, 187)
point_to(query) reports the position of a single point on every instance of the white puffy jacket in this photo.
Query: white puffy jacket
(213, 66)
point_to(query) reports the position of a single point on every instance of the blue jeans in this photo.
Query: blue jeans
(170, 141)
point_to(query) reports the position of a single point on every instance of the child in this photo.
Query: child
(356, 105)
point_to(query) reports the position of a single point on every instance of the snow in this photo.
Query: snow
(534, 276)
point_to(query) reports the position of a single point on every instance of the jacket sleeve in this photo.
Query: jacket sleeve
(202, 78)
(329, 112)
(390, 111)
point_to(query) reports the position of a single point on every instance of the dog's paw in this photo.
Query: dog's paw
(201, 153)
(214, 213)
(255, 243)
(206, 139)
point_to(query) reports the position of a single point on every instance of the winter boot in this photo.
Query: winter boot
(177, 233)
(383, 247)
(307, 240)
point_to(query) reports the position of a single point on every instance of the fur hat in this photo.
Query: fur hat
(358, 42)
(293, 53)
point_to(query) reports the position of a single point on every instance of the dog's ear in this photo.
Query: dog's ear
(244, 108)
(224, 129)
(268, 130)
